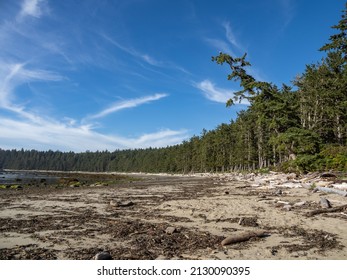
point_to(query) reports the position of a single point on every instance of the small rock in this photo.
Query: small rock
(113, 203)
(125, 204)
(287, 207)
(299, 204)
(161, 257)
(325, 203)
(170, 230)
(103, 256)
(278, 192)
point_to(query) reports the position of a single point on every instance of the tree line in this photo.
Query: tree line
(301, 127)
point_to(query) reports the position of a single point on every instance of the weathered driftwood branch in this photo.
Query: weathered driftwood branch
(243, 236)
(327, 210)
(330, 190)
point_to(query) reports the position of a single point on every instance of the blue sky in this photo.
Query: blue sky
(105, 75)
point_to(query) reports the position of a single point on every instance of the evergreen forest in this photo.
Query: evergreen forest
(300, 127)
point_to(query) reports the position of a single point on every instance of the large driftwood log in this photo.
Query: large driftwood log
(330, 190)
(327, 210)
(243, 236)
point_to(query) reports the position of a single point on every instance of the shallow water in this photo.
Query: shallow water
(25, 177)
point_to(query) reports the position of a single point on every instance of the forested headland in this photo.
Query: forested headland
(300, 127)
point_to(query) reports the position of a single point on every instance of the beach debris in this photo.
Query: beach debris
(287, 207)
(300, 204)
(328, 175)
(325, 203)
(281, 203)
(127, 203)
(291, 176)
(99, 184)
(323, 183)
(342, 186)
(291, 185)
(161, 257)
(331, 190)
(327, 210)
(243, 236)
(278, 192)
(103, 256)
(113, 203)
(170, 230)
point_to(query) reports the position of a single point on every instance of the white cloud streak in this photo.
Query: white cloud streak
(228, 44)
(288, 11)
(144, 57)
(150, 60)
(15, 74)
(220, 45)
(231, 37)
(59, 136)
(213, 93)
(125, 104)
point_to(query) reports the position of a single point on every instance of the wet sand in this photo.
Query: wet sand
(143, 216)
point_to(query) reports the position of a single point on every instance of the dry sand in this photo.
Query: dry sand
(170, 217)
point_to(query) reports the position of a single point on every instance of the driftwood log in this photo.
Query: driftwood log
(103, 256)
(243, 236)
(327, 210)
(331, 190)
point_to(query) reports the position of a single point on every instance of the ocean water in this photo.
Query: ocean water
(25, 177)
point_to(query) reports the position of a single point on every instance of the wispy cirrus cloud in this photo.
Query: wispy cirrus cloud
(229, 34)
(15, 74)
(32, 130)
(31, 8)
(288, 11)
(150, 60)
(220, 45)
(28, 55)
(144, 57)
(126, 104)
(43, 132)
(216, 94)
(229, 43)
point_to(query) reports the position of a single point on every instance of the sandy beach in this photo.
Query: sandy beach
(148, 216)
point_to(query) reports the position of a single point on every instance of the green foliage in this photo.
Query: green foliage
(331, 157)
